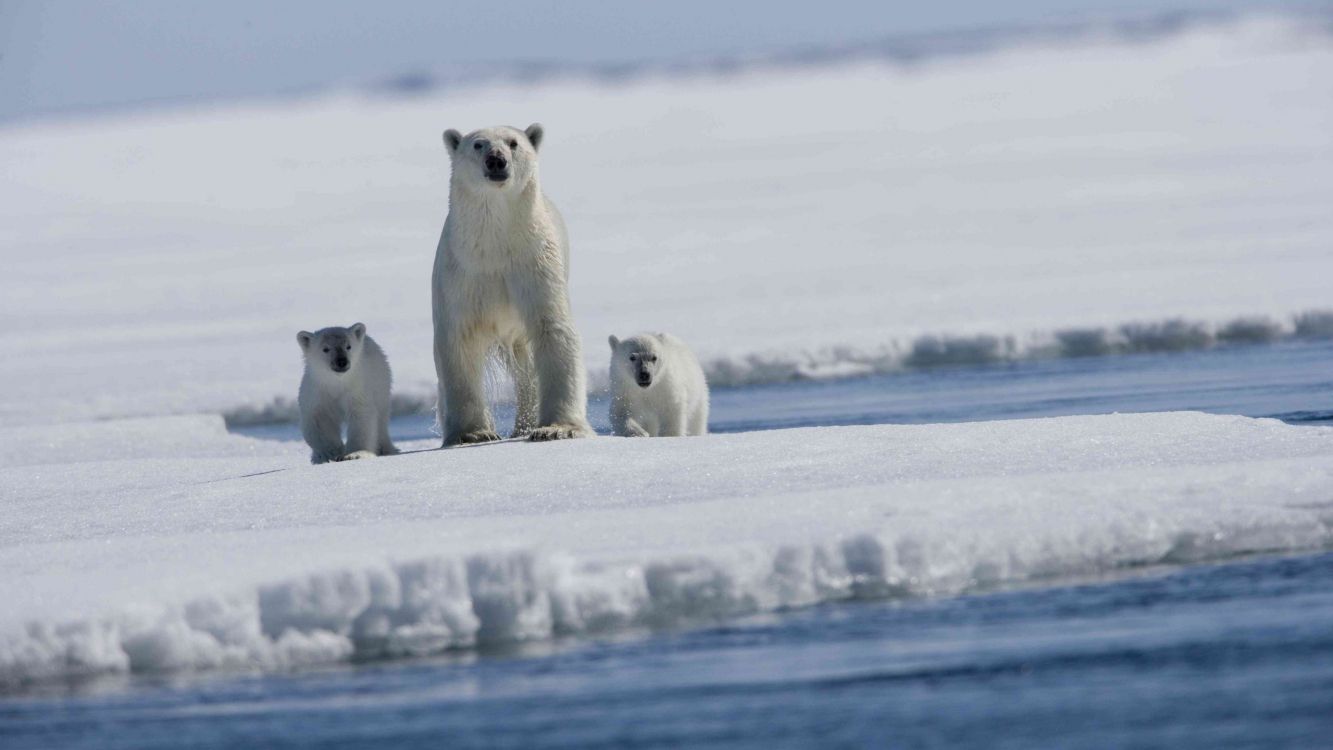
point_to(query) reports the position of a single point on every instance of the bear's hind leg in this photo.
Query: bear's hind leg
(518, 361)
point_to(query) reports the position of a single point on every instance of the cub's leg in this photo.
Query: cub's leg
(699, 421)
(321, 426)
(630, 428)
(673, 423)
(363, 428)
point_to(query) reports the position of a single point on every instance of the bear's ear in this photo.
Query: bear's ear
(534, 133)
(451, 139)
(304, 338)
(358, 330)
(613, 341)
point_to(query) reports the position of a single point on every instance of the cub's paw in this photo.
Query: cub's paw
(559, 432)
(478, 436)
(356, 455)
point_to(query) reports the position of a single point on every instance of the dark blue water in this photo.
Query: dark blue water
(1230, 655)
(1235, 655)
(1292, 381)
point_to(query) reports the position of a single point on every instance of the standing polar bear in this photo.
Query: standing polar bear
(346, 379)
(657, 388)
(501, 282)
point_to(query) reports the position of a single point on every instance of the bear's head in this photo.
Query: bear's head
(500, 158)
(334, 350)
(637, 359)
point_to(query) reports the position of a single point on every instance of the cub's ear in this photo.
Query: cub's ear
(451, 140)
(358, 330)
(613, 341)
(534, 133)
(304, 338)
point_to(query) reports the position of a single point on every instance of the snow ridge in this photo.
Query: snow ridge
(924, 352)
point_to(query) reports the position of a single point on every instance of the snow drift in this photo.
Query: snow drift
(207, 551)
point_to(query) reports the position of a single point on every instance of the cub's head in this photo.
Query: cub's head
(335, 350)
(637, 359)
(499, 158)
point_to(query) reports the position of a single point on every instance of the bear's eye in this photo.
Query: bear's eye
(653, 358)
(477, 145)
(326, 350)
(513, 144)
(349, 347)
(634, 358)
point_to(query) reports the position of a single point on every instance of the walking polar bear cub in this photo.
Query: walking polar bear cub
(657, 388)
(346, 379)
(501, 282)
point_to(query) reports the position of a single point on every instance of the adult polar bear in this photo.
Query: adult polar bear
(501, 283)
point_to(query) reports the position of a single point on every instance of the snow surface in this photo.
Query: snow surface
(1094, 198)
(785, 222)
(177, 546)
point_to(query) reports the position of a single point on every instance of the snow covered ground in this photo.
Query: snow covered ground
(800, 220)
(862, 216)
(175, 545)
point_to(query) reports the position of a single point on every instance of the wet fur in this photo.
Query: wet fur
(500, 281)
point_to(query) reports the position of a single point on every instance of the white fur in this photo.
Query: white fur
(358, 398)
(501, 283)
(675, 403)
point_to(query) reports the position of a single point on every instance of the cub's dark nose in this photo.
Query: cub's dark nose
(645, 379)
(340, 364)
(497, 167)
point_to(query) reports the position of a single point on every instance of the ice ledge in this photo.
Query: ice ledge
(496, 578)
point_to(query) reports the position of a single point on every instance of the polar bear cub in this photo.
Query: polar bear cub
(657, 387)
(346, 380)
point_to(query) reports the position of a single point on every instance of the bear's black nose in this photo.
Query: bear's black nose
(645, 379)
(340, 363)
(496, 163)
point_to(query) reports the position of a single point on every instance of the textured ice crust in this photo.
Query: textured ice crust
(907, 511)
(432, 605)
(946, 350)
(920, 353)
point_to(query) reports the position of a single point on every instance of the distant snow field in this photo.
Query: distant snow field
(800, 221)
(1049, 200)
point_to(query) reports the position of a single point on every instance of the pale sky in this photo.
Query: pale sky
(70, 55)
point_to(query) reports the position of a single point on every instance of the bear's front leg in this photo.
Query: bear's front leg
(557, 355)
(459, 364)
